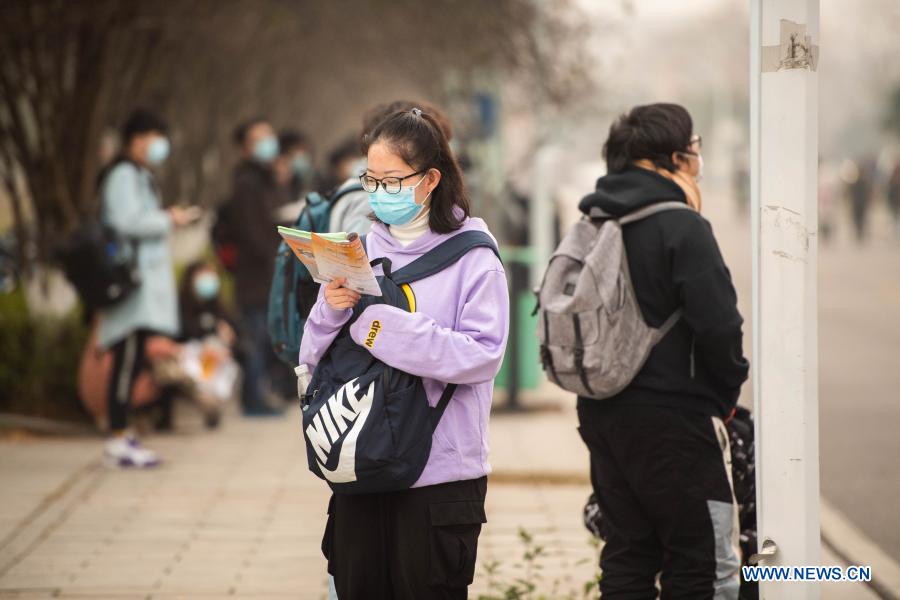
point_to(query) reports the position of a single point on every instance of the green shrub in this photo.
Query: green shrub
(39, 360)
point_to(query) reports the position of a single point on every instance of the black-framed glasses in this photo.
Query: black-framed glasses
(391, 185)
(695, 139)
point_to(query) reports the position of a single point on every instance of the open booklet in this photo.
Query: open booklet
(330, 256)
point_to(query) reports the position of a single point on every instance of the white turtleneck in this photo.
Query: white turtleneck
(407, 234)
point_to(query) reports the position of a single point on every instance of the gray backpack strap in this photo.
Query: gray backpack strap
(643, 213)
(667, 325)
(599, 213)
(647, 211)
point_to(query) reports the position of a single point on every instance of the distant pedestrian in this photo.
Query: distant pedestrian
(344, 162)
(131, 206)
(294, 168)
(659, 451)
(828, 191)
(859, 189)
(252, 207)
(207, 330)
(893, 198)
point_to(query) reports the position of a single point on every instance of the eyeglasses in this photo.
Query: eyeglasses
(391, 185)
(695, 139)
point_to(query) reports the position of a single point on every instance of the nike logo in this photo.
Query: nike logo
(332, 421)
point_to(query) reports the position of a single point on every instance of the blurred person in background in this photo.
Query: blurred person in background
(828, 191)
(893, 197)
(860, 185)
(252, 207)
(131, 206)
(208, 332)
(295, 173)
(150, 398)
(659, 450)
(344, 162)
(294, 167)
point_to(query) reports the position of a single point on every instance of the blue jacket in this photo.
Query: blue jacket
(131, 207)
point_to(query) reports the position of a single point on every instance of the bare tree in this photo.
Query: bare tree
(72, 69)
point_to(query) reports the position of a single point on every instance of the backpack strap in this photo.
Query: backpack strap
(439, 258)
(668, 324)
(653, 209)
(641, 213)
(637, 215)
(441, 406)
(434, 261)
(341, 192)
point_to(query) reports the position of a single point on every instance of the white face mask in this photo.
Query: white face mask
(699, 158)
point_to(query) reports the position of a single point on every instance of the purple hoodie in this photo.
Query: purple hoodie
(457, 335)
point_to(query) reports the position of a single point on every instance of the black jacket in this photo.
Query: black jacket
(675, 262)
(252, 205)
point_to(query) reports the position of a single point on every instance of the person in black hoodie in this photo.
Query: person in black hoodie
(660, 460)
(251, 209)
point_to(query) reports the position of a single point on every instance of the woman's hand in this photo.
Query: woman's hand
(339, 297)
(182, 217)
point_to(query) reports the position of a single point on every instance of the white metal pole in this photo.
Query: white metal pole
(541, 212)
(784, 154)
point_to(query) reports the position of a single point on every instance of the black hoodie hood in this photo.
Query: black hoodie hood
(621, 193)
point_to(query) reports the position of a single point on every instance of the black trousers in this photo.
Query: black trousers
(662, 477)
(418, 544)
(128, 360)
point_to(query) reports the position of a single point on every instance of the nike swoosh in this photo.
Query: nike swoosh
(345, 471)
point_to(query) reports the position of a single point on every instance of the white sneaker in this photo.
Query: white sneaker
(126, 451)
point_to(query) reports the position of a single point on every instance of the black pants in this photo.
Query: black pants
(662, 477)
(128, 360)
(418, 544)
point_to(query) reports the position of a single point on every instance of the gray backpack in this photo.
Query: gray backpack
(594, 339)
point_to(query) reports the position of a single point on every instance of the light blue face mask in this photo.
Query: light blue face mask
(158, 151)
(399, 208)
(206, 286)
(302, 167)
(266, 149)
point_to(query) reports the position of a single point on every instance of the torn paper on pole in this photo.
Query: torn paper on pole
(796, 50)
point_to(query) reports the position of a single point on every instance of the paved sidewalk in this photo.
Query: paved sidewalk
(235, 513)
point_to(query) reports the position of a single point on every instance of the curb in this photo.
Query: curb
(841, 536)
(44, 426)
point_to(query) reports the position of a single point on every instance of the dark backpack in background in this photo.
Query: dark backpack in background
(368, 426)
(223, 238)
(99, 263)
(293, 292)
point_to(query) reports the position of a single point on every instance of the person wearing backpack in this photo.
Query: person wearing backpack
(131, 207)
(659, 451)
(416, 538)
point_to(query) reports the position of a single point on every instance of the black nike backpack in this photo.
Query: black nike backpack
(368, 426)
